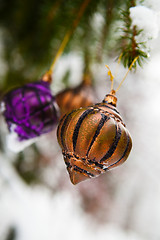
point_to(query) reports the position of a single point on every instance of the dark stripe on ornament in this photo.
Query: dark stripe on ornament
(78, 169)
(59, 127)
(96, 163)
(101, 123)
(40, 110)
(114, 109)
(63, 127)
(11, 120)
(27, 129)
(62, 119)
(33, 130)
(68, 164)
(114, 145)
(78, 125)
(125, 151)
(41, 104)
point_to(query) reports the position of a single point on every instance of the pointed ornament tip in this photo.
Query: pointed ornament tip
(76, 177)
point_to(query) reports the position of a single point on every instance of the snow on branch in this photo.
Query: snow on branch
(146, 21)
(140, 29)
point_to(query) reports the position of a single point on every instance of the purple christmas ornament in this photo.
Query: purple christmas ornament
(31, 110)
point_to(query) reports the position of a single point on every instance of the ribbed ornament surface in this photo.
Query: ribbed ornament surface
(30, 110)
(73, 98)
(93, 140)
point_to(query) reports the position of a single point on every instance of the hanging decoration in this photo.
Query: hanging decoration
(73, 98)
(30, 110)
(94, 139)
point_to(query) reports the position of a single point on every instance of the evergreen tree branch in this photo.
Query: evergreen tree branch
(129, 47)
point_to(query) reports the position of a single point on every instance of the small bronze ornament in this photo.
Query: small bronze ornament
(73, 98)
(93, 139)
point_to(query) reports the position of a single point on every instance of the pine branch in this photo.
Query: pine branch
(130, 49)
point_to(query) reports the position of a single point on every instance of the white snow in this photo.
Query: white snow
(36, 214)
(74, 64)
(13, 144)
(145, 19)
(153, 4)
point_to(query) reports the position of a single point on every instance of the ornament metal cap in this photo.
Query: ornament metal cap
(47, 77)
(111, 98)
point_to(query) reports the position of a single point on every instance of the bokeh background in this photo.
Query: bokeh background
(37, 199)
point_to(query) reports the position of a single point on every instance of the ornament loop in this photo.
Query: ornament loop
(130, 67)
(111, 76)
(69, 33)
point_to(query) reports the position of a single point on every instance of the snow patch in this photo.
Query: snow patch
(146, 19)
(15, 145)
(154, 4)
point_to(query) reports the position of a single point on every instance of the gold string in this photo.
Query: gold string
(110, 73)
(111, 76)
(127, 73)
(68, 35)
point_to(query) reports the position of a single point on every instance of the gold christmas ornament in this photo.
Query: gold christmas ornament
(93, 139)
(73, 98)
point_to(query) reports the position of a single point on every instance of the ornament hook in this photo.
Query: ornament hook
(135, 59)
(111, 76)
